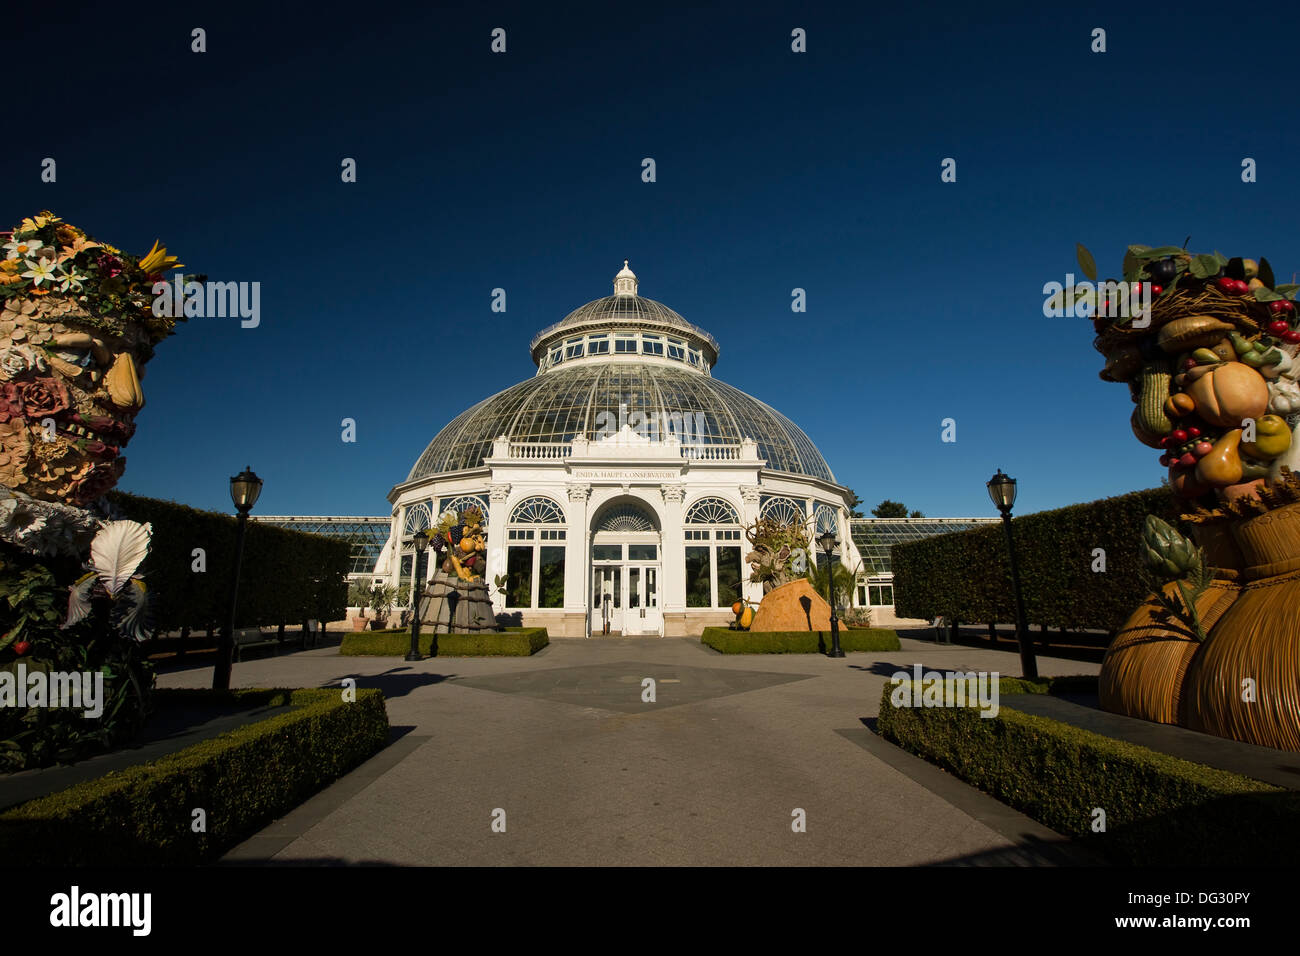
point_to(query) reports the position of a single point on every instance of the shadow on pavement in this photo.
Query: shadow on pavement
(397, 682)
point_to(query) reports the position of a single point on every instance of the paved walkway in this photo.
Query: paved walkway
(710, 773)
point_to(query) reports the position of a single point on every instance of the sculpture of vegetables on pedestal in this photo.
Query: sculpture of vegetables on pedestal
(1212, 369)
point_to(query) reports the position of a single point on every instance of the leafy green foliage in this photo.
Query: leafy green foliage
(966, 576)
(890, 509)
(727, 641)
(1160, 810)
(33, 605)
(243, 779)
(1086, 262)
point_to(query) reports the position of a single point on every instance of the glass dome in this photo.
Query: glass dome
(565, 403)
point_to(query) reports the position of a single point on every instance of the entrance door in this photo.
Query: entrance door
(643, 615)
(607, 599)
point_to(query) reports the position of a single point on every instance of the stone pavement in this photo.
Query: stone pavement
(708, 774)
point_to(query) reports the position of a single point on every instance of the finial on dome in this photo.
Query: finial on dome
(625, 282)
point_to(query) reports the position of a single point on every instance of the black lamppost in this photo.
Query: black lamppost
(244, 490)
(828, 542)
(1002, 490)
(421, 543)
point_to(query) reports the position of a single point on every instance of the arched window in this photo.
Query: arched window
(418, 517)
(713, 554)
(785, 510)
(712, 511)
(537, 510)
(467, 501)
(827, 519)
(535, 554)
(625, 518)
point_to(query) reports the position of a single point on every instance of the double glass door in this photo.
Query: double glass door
(625, 599)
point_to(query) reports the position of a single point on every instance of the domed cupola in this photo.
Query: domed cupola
(621, 327)
(625, 281)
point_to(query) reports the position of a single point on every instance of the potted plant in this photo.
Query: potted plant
(382, 599)
(359, 595)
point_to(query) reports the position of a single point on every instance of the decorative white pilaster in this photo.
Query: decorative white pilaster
(498, 518)
(672, 550)
(749, 496)
(576, 550)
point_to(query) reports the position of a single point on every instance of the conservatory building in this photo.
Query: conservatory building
(617, 482)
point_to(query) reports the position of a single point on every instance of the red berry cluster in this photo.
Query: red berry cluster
(1185, 445)
(1282, 326)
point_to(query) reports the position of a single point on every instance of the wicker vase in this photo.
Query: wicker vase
(1258, 637)
(1145, 666)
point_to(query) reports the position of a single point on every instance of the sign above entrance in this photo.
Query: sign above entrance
(624, 474)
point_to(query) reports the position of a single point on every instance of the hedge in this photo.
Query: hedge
(243, 780)
(513, 642)
(965, 576)
(287, 577)
(1160, 810)
(796, 642)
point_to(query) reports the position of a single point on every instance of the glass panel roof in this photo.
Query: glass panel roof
(875, 536)
(565, 403)
(368, 535)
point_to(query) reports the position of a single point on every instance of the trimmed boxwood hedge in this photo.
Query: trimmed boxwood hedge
(796, 642)
(965, 576)
(1160, 810)
(513, 642)
(243, 780)
(287, 577)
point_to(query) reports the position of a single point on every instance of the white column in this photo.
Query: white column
(577, 552)
(498, 518)
(749, 495)
(395, 575)
(672, 551)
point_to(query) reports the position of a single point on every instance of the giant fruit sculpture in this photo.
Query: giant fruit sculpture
(1212, 369)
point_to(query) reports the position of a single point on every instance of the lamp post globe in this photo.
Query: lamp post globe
(1002, 492)
(421, 542)
(245, 488)
(827, 541)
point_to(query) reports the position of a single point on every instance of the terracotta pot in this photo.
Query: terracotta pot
(359, 623)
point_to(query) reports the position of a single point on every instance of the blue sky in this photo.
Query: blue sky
(775, 170)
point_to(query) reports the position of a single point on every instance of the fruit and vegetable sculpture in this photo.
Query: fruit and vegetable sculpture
(461, 542)
(1213, 372)
(779, 555)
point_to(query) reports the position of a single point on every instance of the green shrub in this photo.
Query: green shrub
(965, 576)
(287, 577)
(243, 780)
(796, 642)
(1160, 810)
(513, 642)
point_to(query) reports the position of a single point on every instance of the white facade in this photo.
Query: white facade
(617, 483)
